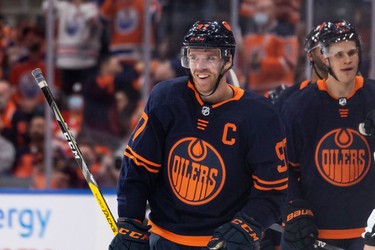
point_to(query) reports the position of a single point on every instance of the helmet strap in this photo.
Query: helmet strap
(222, 73)
(330, 71)
(313, 65)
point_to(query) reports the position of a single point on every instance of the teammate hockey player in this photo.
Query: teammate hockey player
(331, 171)
(318, 72)
(279, 95)
(207, 156)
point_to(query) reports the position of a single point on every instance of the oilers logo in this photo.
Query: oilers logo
(196, 171)
(126, 21)
(342, 157)
(74, 24)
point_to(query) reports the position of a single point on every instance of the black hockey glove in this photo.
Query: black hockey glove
(275, 93)
(132, 235)
(300, 229)
(369, 125)
(241, 233)
(369, 234)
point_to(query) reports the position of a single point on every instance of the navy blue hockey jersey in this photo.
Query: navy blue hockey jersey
(198, 164)
(330, 162)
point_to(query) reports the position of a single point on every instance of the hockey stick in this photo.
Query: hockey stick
(318, 243)
(39, 78)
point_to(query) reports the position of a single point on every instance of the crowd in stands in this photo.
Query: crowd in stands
(98, 77)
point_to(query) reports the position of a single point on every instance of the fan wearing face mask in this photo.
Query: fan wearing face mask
(269, 50)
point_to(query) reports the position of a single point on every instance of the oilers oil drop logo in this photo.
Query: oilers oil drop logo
(343, 157)
(196, 171)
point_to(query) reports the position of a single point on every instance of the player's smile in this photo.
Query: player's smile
(203, 81)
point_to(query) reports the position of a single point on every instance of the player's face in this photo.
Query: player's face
(344, 60)
(205, 66)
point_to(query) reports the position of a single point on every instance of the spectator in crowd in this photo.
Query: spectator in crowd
(78, 40)
(269, 51)
(30, 160)
(110, 98)
(286, 11)
(28, 105)
(26, 35)
(7, 156)
(125, 19)
(7, 106)
(19, 72)
(5, 41)
(73, 115)
(30, 156)
(100, 162)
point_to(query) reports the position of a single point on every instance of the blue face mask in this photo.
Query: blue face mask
(261, 18)
(75, 102)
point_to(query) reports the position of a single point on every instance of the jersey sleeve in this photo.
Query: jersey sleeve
(294, 144)
(141, 164)
(267, 161)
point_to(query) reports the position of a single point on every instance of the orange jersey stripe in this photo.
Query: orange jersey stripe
(304, 84)
(195, 241)
(268, 189)
(270, 185)
(341, 234)
(269, 182)
(142, 162)
(143, 159)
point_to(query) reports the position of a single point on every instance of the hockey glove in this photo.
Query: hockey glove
(370, 124)
(132, 235)
(369, 234)
(241, 233)
(300, 229)
(275, 93)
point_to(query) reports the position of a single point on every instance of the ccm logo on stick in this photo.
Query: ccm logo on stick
(71, 145)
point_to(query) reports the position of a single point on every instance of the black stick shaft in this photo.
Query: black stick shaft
(39, 78)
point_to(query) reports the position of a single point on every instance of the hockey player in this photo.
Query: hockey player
(331, 171)
(207, 156)
(318, 72)
(280, 94)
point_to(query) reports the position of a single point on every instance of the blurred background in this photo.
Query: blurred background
(101, 58)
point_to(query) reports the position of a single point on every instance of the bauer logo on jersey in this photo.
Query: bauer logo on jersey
(196, 171)
(343, 157)
(126, 21)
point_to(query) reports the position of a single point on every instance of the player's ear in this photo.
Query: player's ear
(310, 57)
(228, 63)
(325, 60)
